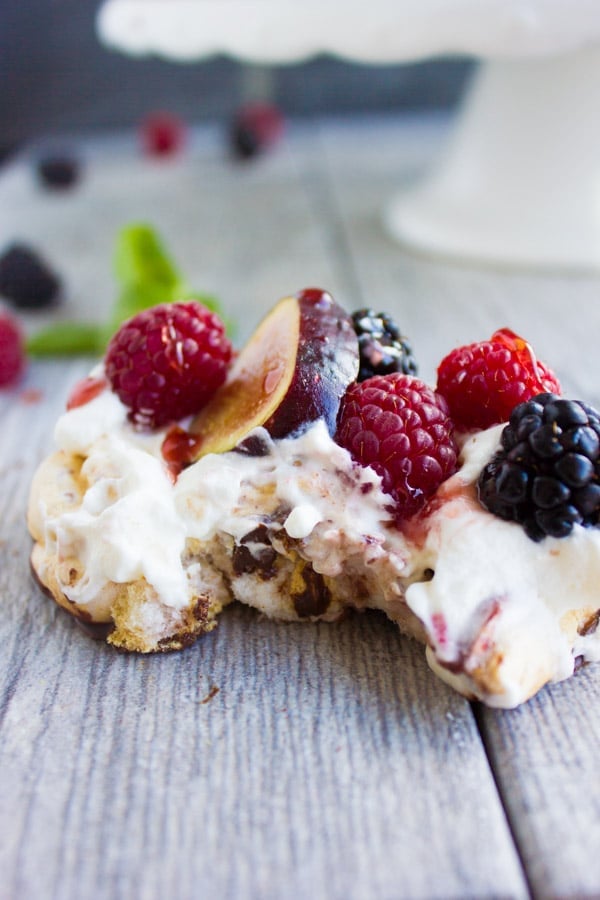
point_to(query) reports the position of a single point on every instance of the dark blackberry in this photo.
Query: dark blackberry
(255, 128)
(26, 280)
(383, 349)
(546, 474)
(244, 141)
(58, 171)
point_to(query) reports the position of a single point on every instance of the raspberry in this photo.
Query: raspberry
(400, 427)
(162, 134)
(383, 349)
(546, 476)
(255, 128)
(166, 362)
(483, 382)
(25, 278)
(12, 354)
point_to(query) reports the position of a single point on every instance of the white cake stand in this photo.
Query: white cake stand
(519, 183)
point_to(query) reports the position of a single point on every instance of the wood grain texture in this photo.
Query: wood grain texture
(275, 761)
(318, 768)
(545, 756)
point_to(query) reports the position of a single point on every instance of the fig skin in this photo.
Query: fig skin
(294, 370)
(327, 362)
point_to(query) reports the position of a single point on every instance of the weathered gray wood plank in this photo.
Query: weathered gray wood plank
(330, 762)
(544, 755)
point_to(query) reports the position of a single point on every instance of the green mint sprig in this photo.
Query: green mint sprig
(146, 276)
(67, 339)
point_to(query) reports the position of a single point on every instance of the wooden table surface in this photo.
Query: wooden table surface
(277, 761)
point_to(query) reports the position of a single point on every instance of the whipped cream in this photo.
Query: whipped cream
(134, 522)
(502, 615)
(127, 526)
(310, 477)
(490, 576)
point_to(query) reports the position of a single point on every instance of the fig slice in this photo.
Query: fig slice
(294, 369)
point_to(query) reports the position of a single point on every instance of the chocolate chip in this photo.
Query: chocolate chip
(254, 445)
(314, 598)
(258, 535)
(245, 563)
(260, 559)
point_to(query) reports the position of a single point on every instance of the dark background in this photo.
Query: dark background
(55, 76)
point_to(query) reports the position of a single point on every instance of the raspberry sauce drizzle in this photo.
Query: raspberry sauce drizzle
(86, 390)
(179, 449)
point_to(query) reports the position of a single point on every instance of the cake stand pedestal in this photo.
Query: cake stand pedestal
(518, 184)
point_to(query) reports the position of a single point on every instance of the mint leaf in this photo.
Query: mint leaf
(67, 339)
(146, 276)
(140, 258)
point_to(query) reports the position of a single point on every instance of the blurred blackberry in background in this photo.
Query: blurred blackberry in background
(383, 349)
(58, 171)
(26, 280)
(255, 128)
(546, 476)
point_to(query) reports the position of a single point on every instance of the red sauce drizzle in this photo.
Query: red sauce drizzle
(31, 396)
(179, 449)
(86, 390)
(440, 628)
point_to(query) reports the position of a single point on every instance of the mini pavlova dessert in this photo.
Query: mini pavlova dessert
(314, 472)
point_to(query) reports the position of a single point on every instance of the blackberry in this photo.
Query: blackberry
(254, 129)
(26, 280)
(546, 474)
(58, 171)
(383, 349)
(244, 141)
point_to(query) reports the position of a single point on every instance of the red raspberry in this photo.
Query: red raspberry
(12, 354)
(483, 382)
(166, 362)
(163, 134)
(397, 425)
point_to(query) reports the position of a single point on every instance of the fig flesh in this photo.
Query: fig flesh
(294, 370)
